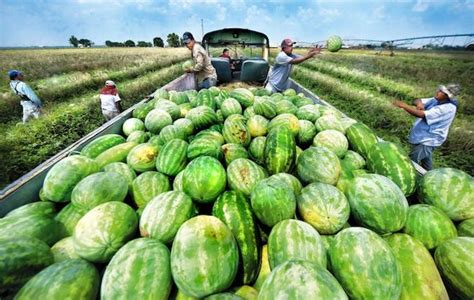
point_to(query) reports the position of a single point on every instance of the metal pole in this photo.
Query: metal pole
(202, 28)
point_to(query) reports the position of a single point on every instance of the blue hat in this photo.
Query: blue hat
(13, 74)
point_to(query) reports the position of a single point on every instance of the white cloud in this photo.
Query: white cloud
(256, 15)
(379, 12)
(328, 15)
(221, 13)
(305, 13)
(421, 5)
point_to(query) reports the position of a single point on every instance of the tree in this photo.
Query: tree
(86, 42)
(143, 44)
(129, 43)
(173, 40)
(108, 43)
(74, 41)
(158, 42)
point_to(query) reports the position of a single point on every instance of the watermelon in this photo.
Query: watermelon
(370, 270)
(138, 137)
(291, 180)
(99, 188)
(235, 131)
(243, 174)
(162, 93)
(205, 146)
(157, 119)
(64, 249)
(187, 64)
(324, 207)
(249, 112)
(171, 132)
(164, 214)
(103, 230)
(147, 186)
(353, 160)
(172, 157)
(204, 256)
(212, 135)
(141, 110)
(347, 122)
(466, 228)
(131, 125)
(204, 179)
(454, 259)
(388, 159)
(124, 170)
(117, 153)
(170, 107)
(186, 126)
(204, 97)
(280, 150)
(46, 209)
(100, 144)
(301, 100)
(233, 151)
(329, 121)
(244, 96)
(184, 109)
(306, 133)
(334, 43)
(361, 138)
(333, 140)
(265, 107)
(298, 279)
(69, 279)
(68, 218)
(143, 157)
(289, 92)
(178, 182)
(273, 201)
(420, 278)
(224, 296)
(246, 292)
(233, 209)
(286, 106)
(257, 126)
(295, 240)
(346, 176)
(65, 174)
(179, 97)
(22, 258)
(377, 203)
(139, 270)
(257, 149)
(202, 117)
(429, 225)
(318, 164)
(288, 120)
(450, 190)
(230, 106)
(264, 269)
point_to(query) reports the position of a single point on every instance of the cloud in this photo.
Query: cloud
(379, 12)
(328, 14)
(305, 13)
(421, 6)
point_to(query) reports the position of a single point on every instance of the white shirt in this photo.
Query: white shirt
(108, 102)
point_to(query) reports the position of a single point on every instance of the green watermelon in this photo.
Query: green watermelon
(347, 122)
(157, 119)
(204, 179)
(143, 157)
(141, 110)
(205, 147)
(171, 132)
(301, 279)
(466, 228)
(249, 112)
(211, 134)
(257, 150)
(353, 160)
(204, 256)
(123, 169)
(273, 201)
(22, 258)
(265, 107)
(361, 138)
(246, 292)
(377, 203)
(178, 182)
(280, 150)
(68, 218)
(318, 164)
(69, 279)
(235, 131)
(170, 107)
(308, 112)
(184, 109)
(420, 278)
(288, 120)
(257, 126)
(333, 140)
(429, 225)
(324, 207)
(162, 93)
(334, 43)
(306, 133)
(131, 125)
(233, 209)
(172, 157)
(65, 174)
(100, 144)
(244, 96)
(178, 97)
(329, 121)
(139, 270)
(450, 190)
(206, 98)
(187, 64)
(147, 186)
(243, 174)
(138, 137)
(117, 153)
(42, 208)
(164, 214)
(264, 269)
(103, 230)
(186, 126)
(291, 180)
(295, 240)
(289, 92)
(233, 151)
(202, 117)
(230, 106)
(286, 106)
(370, 269)
(64, 249)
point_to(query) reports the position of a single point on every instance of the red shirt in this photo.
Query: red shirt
(223, 55)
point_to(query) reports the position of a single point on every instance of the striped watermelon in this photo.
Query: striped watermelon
(353, 160)
(186, 126)
(147, 186)
(244, 96)
(295, 240)
(318, 164)
(164, 214)
(388, 159)
(204, 98)
(204, 257)
(324, 207)
(370, 269)
(300, 279)
(142, 158)
(212, 134)
(233, 209)
(178, 182)
(117, 153)
(454, 259)
(138, 137)
(157, 119)
(257, 126)
(361, 138)
(177, 97)
(100, 144)
(388, 213)
(263, 106)
(329, 121)
(69, 279)
(205, 147)
(171, 132)
(202, 117)
(172, 157)
(288, 120)
(170, 107)
(235, 131)
(291, 180)
(22, 258)
(280, 150)
(334, 43)
(450, 190)
(139, 270)
(247, 292)
(131, 125)
(273, 201)
(124, 170)
(42, 208)
(141, 110)
(420, 278)
(307, 132)
(429, 225)
(264, 269)
(103, 230)
(286, 106)
(163, 94)
(204, 179)
(68, 218)
(333, 140)
(466, 228)
(185, 108)
(249, 112)
(65, 174)
(233, 151)
(308, 112)
(289, 92)
(230, 106)
(300, 100)
(257, 149)
(64, 249)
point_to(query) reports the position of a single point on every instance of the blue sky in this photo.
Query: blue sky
(51, 23)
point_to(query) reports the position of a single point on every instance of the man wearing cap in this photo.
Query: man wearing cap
(110, 100)
(29, 101)
(277, 80)
(205, 73)
(434, 117)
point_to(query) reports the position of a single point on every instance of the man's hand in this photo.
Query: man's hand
(399, 103)
(419, 104)
(314, 51)
(188, 70)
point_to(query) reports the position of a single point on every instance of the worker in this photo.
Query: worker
(277, 80)
(29, 101)
(110, 100)
(226, 55)
(434, 117)
(205, 73)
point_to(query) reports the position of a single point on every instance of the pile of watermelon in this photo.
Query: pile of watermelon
(241, 195)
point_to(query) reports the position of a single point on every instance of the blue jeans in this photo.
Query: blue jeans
(207, 83)
(422, 154)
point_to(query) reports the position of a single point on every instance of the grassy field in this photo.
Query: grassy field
(68, 81)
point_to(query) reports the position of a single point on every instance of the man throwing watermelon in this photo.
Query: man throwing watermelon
(277, 80)
(434, 116)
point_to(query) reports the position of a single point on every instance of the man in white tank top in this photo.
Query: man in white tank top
(110, 100)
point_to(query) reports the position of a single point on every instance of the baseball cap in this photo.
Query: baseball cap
(109, 83)
(287, 43)
(13, 73)
(451, 90)
(187, 37)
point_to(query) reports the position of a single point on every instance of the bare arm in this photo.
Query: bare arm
(311, 53)
(414, 111)
(419, 104)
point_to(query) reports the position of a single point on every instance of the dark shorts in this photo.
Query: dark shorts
(207, 83)
(423, 155)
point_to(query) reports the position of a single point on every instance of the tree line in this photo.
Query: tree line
(173, 40)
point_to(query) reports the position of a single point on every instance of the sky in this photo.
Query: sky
(52, 22)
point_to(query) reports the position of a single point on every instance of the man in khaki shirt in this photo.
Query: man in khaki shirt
(205, 73)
